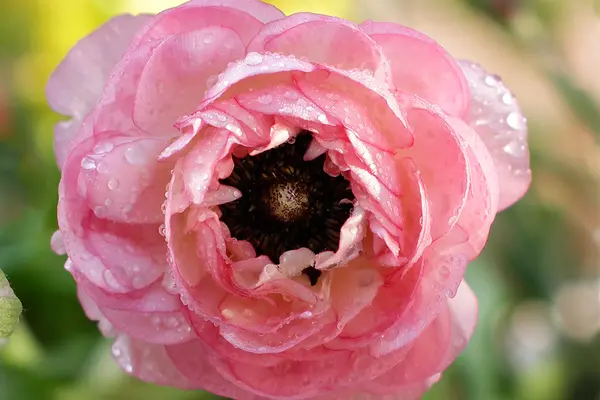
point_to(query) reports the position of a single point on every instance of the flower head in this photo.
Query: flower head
(279, 207)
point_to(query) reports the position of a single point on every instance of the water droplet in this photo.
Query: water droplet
(110, 280)
(292, 140)
(515, 120)
(102, 167)
(253, 58)
(137, 282)
(163, 207)
(306, 314)
(162, 230)
(113, 184)
(491, 80)
(103, 148)
(135, 156)
(508, 99)
(88, 163)
(322, 118)
(108, 202)
(69, 265)
(100, 211)
(514, 148)
(265, 99)
(379, 156)
(116, 351)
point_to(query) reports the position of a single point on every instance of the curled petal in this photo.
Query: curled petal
(498, 120)
(482, 200)
(245, 17)
(178, 73)
(124, 181)
(439, 154)
(148, 362)
(323, 40)
(421, 66)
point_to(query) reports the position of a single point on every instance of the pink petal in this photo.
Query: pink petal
(75, 87)
(323, 40)
(482, 200)
(199, 370)
(115, 108)
(289, 379)
(497, 118)
(179, 72)
(434, 349)
(246, 17)
(439, 155)
(148, 362)
(124, 181)
(421, 66)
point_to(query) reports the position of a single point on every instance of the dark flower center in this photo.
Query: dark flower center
(287, 203)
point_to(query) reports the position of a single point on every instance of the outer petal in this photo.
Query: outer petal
(75, 86)
(482, 200)
(434, 350)
(498, 120)
(148, 362)
(179, 72)
(440, 157)
(421, 66)
(323, 40)
(246, 17)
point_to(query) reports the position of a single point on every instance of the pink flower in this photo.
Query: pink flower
(271, 207)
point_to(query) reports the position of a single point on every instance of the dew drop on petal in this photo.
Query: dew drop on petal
(113, 184)
(88, 163)
(103, 148)
(515, 120)
(508, 99)
(253, 58)
(102, 167)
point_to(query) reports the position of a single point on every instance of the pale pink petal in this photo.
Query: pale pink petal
(440, 157)
(246, 17)
(115, 107)
(75, 86)
(124, 181)
(178, 73)
(482, 200)
(421, 66)
(443, 267)
(497, 118)
(201, 372)
(323, 40)
(148, 362)
(435, 348)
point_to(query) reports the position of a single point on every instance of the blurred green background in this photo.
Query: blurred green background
(538, 280)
